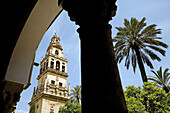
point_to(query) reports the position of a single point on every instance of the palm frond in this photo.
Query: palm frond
(152, 55)
(118, 49)
(146, 60)
(127, 24)
(157, 49)
(140, 26)
(121, 54)
(154, 73)
(166, 76)
(133, 23)
(119, 57)
(119, 28)
(153, 42)
(159, 72)
(148, 29)
(139, 43)
(133, 61)
(153, 78)
(119, 43)
(118, 38)
(166, 71)
(127, 61)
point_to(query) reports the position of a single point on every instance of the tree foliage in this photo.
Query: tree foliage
(156, 99)
(32, 109)
(76, 94)
(162, 78)
(70, 108)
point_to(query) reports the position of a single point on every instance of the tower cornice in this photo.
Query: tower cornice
(50, 96)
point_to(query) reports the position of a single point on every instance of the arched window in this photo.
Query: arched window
(56, 52)
(63, 67)
(57, 65)
(52, 64)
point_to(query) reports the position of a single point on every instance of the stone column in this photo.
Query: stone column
(101, 86)
(9, 96)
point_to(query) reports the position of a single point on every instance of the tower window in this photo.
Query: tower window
(52, 64)
(63, 68)
(56, 52)
(60, 93)
(52, 82)
(57, 65)
(51, 92)
(60, 84)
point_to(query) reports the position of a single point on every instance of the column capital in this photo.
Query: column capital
(89, 11)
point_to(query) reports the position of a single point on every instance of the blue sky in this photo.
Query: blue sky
(155, 11)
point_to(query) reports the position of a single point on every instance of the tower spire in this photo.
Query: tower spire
(54, 44)
(55, 34)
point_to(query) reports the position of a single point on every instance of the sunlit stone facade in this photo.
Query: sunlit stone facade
(52, 91)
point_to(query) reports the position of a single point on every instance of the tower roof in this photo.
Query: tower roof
(55, 37)
(55, 42)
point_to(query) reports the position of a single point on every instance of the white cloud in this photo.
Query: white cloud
(21, 111)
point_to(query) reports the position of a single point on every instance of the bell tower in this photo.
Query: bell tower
(52, 91)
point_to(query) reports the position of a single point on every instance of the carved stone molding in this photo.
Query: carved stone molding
(10, 96)
(90, 10)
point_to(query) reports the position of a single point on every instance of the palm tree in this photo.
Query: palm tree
(136, 43)
(162, 78)
(76, 94)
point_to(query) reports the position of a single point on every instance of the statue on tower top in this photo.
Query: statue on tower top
(55, 38)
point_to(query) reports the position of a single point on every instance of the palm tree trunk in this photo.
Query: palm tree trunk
(142, 70)
(140, 63)
(166, 89)
(78, 99)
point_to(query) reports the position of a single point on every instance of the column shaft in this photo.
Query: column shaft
(101, 86)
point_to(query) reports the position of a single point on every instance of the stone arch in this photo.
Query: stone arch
(56, 52)
(23, 54)
(57, 65)
(23, 40)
